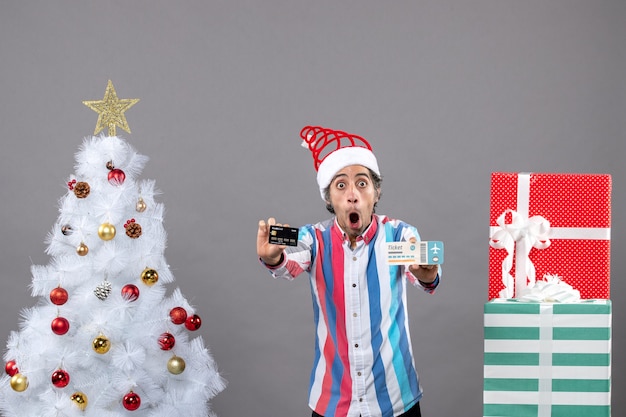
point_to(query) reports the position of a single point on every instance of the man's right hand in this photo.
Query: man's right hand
(268, 252)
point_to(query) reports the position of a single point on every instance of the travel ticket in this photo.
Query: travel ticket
(420, 253)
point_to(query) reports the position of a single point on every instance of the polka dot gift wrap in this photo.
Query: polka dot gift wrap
(542, 223)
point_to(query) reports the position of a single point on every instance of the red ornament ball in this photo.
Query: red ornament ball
(11, 368)
(60, 326)
(178, 315)
(60, 378)
(58, 296)
(130, 292)
(193, 322)
(167, 341)
(116, 177)
(131, 401)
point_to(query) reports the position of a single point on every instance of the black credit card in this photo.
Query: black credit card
(283, 235)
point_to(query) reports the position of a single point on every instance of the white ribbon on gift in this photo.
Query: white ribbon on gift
(547, 291)
(524, 233)
(550, 289)
(546, 347)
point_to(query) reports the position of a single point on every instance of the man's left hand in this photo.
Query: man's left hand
(425, 273)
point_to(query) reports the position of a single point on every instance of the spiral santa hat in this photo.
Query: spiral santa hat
(333, 150)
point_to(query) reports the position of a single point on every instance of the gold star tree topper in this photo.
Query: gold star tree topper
(111, 110)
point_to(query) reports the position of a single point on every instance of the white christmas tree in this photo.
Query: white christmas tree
(105, 338)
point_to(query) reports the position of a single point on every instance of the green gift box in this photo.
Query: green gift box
(547, 359)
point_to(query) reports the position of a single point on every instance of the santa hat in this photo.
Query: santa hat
(334, 150)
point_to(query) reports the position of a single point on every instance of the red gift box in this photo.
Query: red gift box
(557, 224)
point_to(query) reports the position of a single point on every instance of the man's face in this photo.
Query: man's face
(353, 196)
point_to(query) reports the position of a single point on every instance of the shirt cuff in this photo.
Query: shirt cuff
(430, 285)
(280, 263)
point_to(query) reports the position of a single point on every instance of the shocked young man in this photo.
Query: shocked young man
(364, 364)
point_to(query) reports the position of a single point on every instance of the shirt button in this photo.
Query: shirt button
(359, 373)
(353, 285)
(356, 345)
(360, 400)
(354, 258)
(354, 314)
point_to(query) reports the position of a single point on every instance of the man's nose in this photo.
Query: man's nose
(353, 195)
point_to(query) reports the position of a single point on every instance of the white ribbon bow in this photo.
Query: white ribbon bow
(525, 233)
(551, 289)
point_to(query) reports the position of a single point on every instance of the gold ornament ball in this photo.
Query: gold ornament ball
(101, 344)
(176, 365)
(149, 276)
(82, 249)
(141, 205)
(19, 382)
(80, 399)
(106, 231)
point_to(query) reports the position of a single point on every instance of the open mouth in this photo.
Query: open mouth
(354, 218)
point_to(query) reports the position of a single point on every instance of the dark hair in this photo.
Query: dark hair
(377, 181)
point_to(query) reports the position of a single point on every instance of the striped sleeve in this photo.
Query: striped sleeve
(296, 259)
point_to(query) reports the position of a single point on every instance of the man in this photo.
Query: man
(364, 362)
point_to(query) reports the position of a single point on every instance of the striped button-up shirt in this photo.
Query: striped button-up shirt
(364, 361)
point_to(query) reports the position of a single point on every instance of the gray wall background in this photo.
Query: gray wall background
(446, 91)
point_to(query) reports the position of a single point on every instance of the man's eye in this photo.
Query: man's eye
(341, 185)
(362, 184)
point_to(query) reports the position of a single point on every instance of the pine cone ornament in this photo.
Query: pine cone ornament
(81, 189)
(103, 290)
(133, 229)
